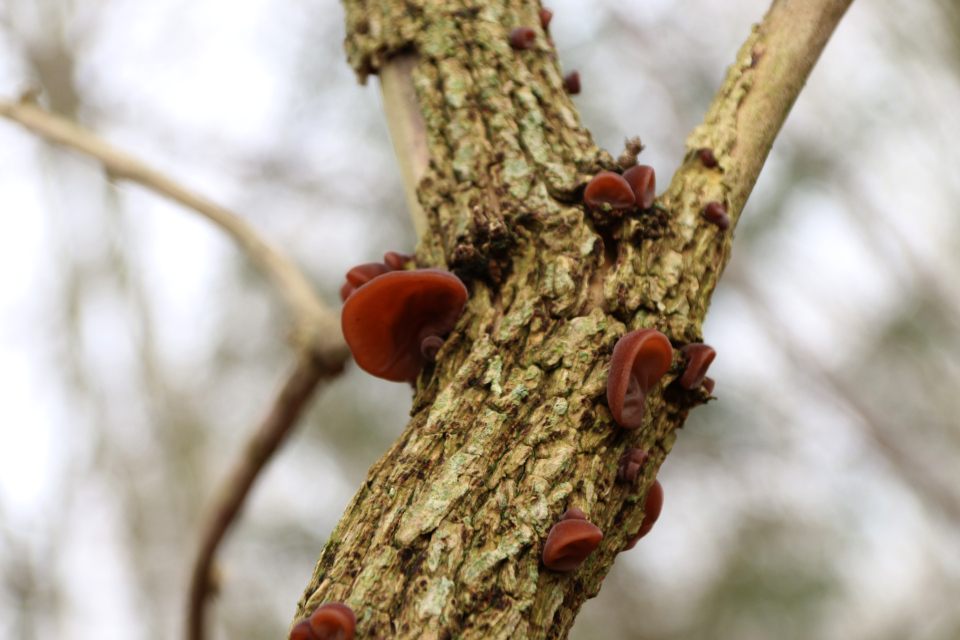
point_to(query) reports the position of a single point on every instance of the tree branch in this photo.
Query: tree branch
(287, 408)
(315, 327)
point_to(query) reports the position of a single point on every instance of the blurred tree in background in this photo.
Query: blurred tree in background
(818, 498)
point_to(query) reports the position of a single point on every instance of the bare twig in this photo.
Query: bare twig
(746, 114)
(315, 327)
(289, 404)
(407, 129)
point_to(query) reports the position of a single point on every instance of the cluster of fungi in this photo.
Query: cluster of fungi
(395, 320)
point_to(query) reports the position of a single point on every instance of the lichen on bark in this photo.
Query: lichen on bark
(510, 428)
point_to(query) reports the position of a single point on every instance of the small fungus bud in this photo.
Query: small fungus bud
(709, 384)
(701, 356)
(640, 358)
(715, 213)
(651, 512)
(430, 347)
(630, 464)
(545, 17)
(707, 158)
(522, 38)
(397, 261)
(569, 543)
(386, 321)
(609, 187)
(572, 82)
(333, 621)
(643, 181)
(302, 631)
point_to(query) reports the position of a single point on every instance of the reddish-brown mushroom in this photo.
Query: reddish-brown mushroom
(707, 158)
(545, 17)
(651, 512)
(609, 187)
(569, 543)
(571, 82)
(709, 384)
(640, 358)
(302, 631)
(700, 357)
(715, 213)
(643, 181)
(333, 621)
(361, 275)
(573, 513)
(522, 38)
(630, 464)
(397, 261)
(387, 321)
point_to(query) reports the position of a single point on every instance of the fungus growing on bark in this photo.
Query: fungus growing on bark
(701, 356)
(302, 631)
(569, 542)
(640, 358)
(611, 188)
(707, 158)
(572, 82)
(709, 384)
(630, 464)
(643, 182)
(333, 621)
(397, 261)
(390, 322)
(545, 17)
(522, 38)
(573, 513)
(361, 275)
(651, 512)
(715, 213)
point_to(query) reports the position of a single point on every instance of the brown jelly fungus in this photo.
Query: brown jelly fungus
(610, 188)
(651, 512)
(387, 321)
(640, 358)
(715, 213)
(700, 356)
(707, 158)
(630, 464)
(709, 384)
(397, 261)
(545, 17)
(571, 82)
(643, 182)
(569, 543)
(333, 621)
(573, 513)
(522, 38)
(361, 275)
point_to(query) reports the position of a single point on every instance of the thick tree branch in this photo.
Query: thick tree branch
(315, 327)
(290, 403)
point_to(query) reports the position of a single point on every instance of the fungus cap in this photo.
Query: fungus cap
(386, 321)
(302, 631)
(715, 213)
(573, 513)
(707, 158)
(361, 275)
(611, 188)
(333, 621)
(396, 260)
(571, 82)
(522, 38)
(651, 513)
(569, 543)
(709, 384)
(640, 358)
(630, 464)
(545, 17)
(643, 181)
(701, 356)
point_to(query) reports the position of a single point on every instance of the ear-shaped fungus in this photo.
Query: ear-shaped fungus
(651, 512)
(545, 17)
(397, 261)
(709, 384)
(715, 213)
(573, 513)
(700, 355)
(643, 181)
(570, 542)
(571, 82)
(522, 38)
(361, 275)
(630, 464)
(392, 320)
(333, 621)
(611, 188)
(640, 358)
(302, 631)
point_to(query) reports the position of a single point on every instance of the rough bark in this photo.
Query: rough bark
(511, 427)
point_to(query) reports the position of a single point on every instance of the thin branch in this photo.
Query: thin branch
(745, 117)
(315, 327)
(288, 406)
(408, 131)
